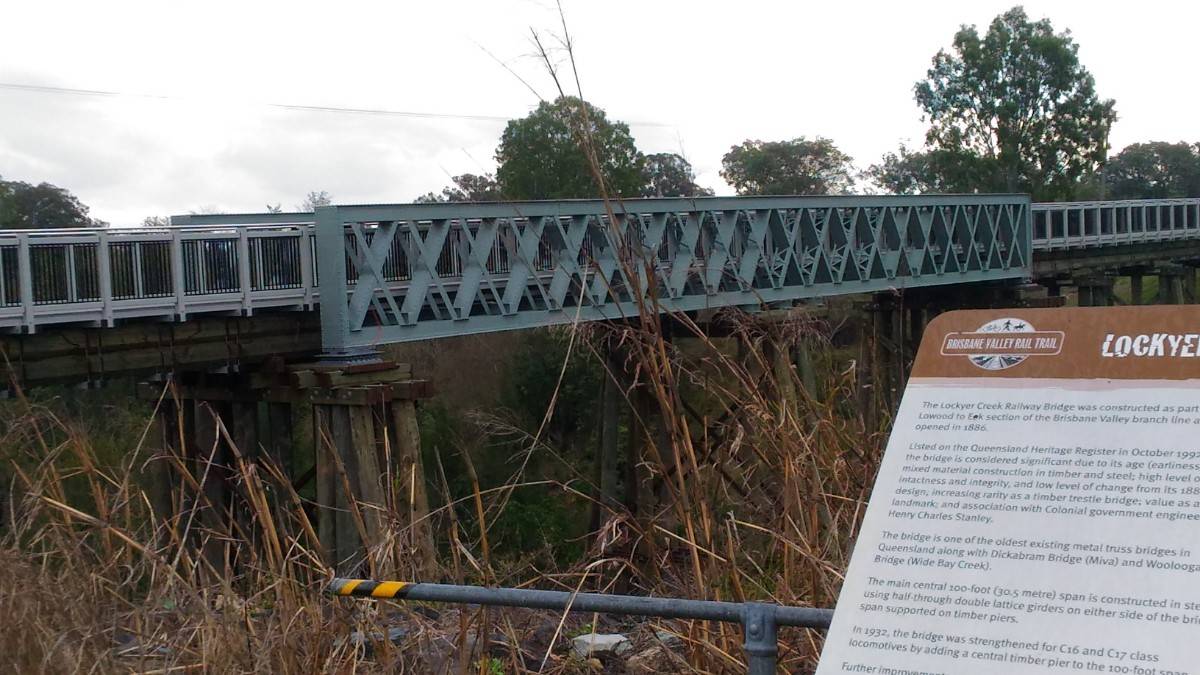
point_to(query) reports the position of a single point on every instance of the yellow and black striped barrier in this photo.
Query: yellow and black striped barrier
(365, 588)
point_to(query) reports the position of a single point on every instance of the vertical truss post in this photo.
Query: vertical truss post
(245, 283)
(104, 278)
(178, 278)
(331, 263)
(1136, 293)
(25, 280)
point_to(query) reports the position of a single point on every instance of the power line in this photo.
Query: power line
(46, 89)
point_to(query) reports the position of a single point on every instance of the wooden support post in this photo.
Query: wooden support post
(916, 331)
(409, 478)
(159, 476)
(1175, 291)
(1170, 285)
(327, 480)
(349, 485)
(804, 365)
(897, 353)
(607, 455)
(210, 466)
(867, 367)
(780, 363)
(280, 437)
(1095, 291)
(1085, 295)
(1189, 285)
(640, 425)
(244, 429)
(1136, 289)
(367, 480)
(886, 362)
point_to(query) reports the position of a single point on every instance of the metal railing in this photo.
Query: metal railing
(101, 275)
(1077, 225)
(759, 621)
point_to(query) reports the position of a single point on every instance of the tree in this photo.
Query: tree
(670, 175)
(467, 187)
(1155, 170)
(44, 206)
(929, 171)
(556, 151)
(1018, 103)
(796, 167)
(313, 200)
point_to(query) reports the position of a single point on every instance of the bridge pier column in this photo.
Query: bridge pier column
(606, 472)
(212, 463)
(1094, 291)
(371, 499)
(1137, 294)
(206, 424)
(370, 484)
(1171, 284)
(871, 373)
(889, 349)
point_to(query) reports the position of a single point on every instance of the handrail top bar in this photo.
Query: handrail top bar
(127, 230)
(569, 207)
(1109, 203)
(276, 219)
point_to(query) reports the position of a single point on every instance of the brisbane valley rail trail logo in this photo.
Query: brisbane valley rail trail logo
(1003, 343)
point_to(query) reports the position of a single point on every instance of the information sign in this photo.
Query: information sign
(1038, 506)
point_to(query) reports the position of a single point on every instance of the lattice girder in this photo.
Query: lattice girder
(467, 268)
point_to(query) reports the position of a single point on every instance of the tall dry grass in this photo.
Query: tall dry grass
(746, 485)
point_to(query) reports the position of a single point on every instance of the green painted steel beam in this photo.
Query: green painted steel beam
(416, 271)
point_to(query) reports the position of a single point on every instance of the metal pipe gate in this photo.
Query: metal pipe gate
(759, 620)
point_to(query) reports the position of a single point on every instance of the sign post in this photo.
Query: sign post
(1038, 506)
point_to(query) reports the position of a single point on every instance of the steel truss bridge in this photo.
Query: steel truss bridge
(417, 271)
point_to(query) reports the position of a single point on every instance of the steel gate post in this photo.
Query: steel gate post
(759, 629)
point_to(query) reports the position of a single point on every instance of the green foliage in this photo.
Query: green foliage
(490, 666)
(534, 379)
(1013, 111)
(1155, 170)
(930, 171)
(538, 522)
(467, 187)
(582, 629)
(796, 167)
(542, 156)
(670, 175)
(112, 420)
(44, 206)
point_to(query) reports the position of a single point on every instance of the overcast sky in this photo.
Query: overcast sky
(691, 77)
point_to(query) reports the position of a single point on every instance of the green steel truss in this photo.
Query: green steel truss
(417, 271)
